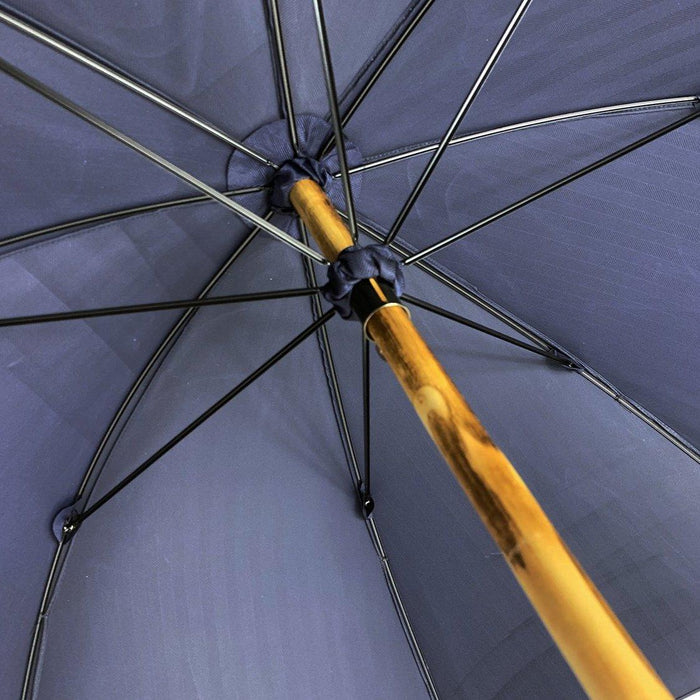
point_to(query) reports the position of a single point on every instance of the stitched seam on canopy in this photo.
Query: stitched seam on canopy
(621, 113)
(360, 77)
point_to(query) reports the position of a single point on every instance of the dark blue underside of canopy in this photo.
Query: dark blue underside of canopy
(237, 566)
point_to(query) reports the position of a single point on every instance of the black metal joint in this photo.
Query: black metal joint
(370, 295)
(564, 360)
(366, 500)
(71, 526)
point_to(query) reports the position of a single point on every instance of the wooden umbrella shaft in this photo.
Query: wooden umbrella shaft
(596, 646)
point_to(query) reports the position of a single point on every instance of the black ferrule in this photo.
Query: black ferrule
(369, 295)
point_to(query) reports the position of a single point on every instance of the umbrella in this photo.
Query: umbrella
(183, 396)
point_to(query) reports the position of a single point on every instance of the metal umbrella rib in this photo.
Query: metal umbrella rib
(378, 72)
(334, 384)
(159, 354)
(252, 377)
(628, 107)
(429, 250)
(326, 352)
(121, 213)
(367, 502)
(285, 87)
(454, 125)
(234, 206)
(556, 357)
(509, 320)
(361, 486)
(376, 235)
(592, 640)
(574, 612)
(327, 64)
(155, 306)
(132, 85)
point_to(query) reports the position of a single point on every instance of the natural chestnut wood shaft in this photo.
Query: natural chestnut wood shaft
(604, 658)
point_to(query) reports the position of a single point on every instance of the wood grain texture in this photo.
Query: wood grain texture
(603, 656)
(321, 218)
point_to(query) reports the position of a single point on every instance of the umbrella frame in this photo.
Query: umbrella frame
(262, 222)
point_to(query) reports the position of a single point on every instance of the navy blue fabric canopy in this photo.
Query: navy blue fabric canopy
(239, 565)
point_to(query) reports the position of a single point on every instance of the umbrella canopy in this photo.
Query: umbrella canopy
(534, 164)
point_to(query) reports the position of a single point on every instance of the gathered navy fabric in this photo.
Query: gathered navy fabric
(360, 263)
(272, 139)
(290, 172)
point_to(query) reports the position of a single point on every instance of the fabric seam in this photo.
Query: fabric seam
(621, 113)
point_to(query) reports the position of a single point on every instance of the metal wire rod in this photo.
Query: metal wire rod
(159, 355)
(442, 146)
(327, 354)
(561, 359)
(155, 358)
(335, 115)
(200, 419)
(400, 609)
(553, 119)
(378, 71)
(455, 287)
(120, 213)
(284, 75)
(550, 188)
(90, 118)
(156, 306)
(41, 622)
(129, 84)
